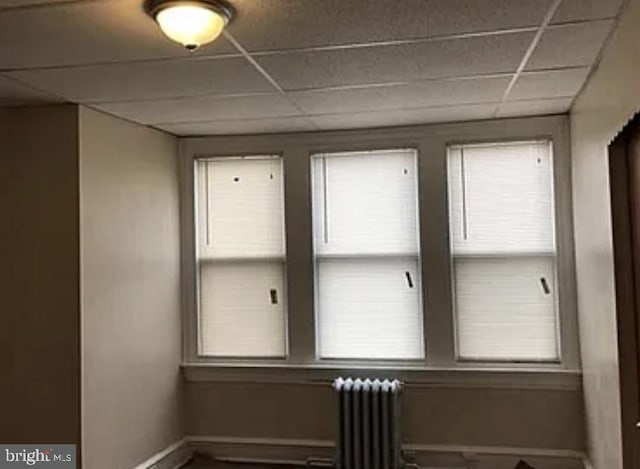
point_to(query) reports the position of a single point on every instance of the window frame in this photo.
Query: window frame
(431, 142)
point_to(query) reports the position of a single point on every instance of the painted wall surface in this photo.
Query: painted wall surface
(39, 308)
(443, 414)
(130, 291)
(610, 98)
(542, 419)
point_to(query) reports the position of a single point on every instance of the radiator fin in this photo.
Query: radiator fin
(368, 424)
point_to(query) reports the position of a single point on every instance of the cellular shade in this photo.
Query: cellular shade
(241, 251)
(368, 287)
(503, 245)
(369, 309)
(241, 208)
(501, 199)
(365, 203)
(241, 305)
(505, 311)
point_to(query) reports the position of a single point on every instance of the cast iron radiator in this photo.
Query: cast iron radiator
(368, 424)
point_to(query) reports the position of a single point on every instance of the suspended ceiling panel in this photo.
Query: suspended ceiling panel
(393, 63)
(536, 107)
(549, 84)
(300, 65)
(303, 24)
(202, 108)
(245, 126)
(570, 45)
(14, 93)
(132, 81)
(403, 116)
(421, 94)
(579, 10)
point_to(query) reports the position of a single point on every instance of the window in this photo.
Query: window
(437, 252)
(367, 255)
(241, 257)
(502, 236)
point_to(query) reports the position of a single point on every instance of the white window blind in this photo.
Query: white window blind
(241, 254)
(368, 286)
(502, 240)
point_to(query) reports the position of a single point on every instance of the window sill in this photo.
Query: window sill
(534, 377)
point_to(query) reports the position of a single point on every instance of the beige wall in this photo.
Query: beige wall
(481, 415)
(130, 291)
(610, 98)
(454, 416)
(39, 310)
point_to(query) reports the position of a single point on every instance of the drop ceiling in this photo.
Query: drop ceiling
(303, 65)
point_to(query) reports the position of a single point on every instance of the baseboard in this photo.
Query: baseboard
(300, 452)
(261, 449)
(173, 456)
(587, 463)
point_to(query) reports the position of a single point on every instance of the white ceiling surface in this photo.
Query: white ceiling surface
(301, 65)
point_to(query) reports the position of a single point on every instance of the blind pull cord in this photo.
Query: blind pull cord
(407, 274)
(545, 286)
(274, 296)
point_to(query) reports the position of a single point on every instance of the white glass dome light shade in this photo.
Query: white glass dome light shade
(190, 23)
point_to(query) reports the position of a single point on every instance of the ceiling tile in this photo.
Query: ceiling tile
(549, 84)
(149, 80)
(202, 109)
(29, 3)
(234, 127)
(570, 45)
(580, 10)
(86, 32)
(412, 95)
(397, 63)
(534, 108)
(13, 93)
(286, 24)
(404, 117)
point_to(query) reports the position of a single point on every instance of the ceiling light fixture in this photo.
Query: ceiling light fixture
(192, 23)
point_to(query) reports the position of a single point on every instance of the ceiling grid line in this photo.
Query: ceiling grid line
(33, 87)
(388, 84)
(419, 40)
(267, 53)
(294, 50)
(532, 47)
(265, 74)
(41, 5)
(366, 86)
(188, 58)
